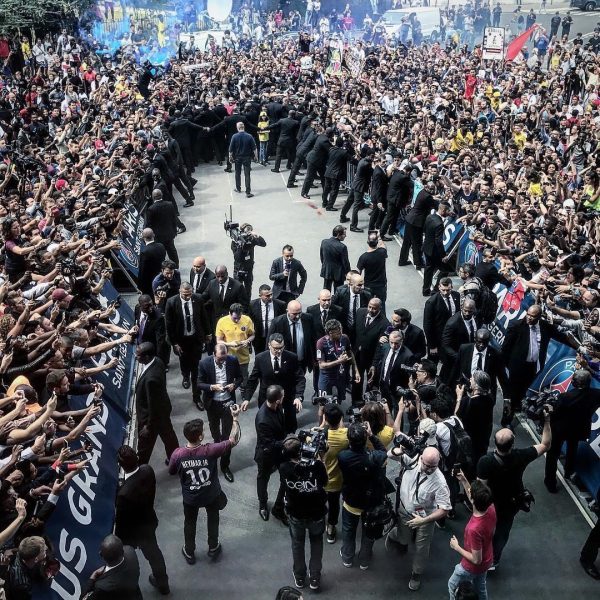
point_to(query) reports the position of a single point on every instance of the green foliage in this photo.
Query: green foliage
(44, 14)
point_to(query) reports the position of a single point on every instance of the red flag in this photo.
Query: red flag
(515, 46)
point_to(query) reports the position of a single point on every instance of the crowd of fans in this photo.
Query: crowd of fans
(510, 151)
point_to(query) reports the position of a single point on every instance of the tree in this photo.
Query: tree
(39, 14)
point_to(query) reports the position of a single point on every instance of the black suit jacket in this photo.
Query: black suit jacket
(280, 280)
(175, 320)
(320, 151)
(362, 177)
(207, 277)
(436, 315)
(207, 376)
(424, 203)
(290, 377)
(120, 583)
(276, 309)
(270, 433)
(135, 518)
(161, 217)
(400, 189)
(154, 328)
(288, 129)
(397, 376)
(455, 334)
(572, 417)
(152, 401)
(493, 365)
(333, 312)
(336, 163)
(341, 298)
(414, 338)
(334, 259)
(234, 292)
(151, 258)
(433, 240)
(281, 325)
(379, 185)
(366, 339)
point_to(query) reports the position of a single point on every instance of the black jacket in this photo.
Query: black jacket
(276, 309)
(281, 325)
(400, 189)
(336, 163)
(341, 298)
(436, 315)
(175, 320)
(493, 365)
(433, 240)
(280, 280)
(152, 401)
(414, 338)
(424, 204)
(154, 327)
(228, 126)
(151, 258)
(306, 143)
(184, 132)
(320, 151)
(161, 217)
(207, 376)
(379, 185)
(207, 277)
(455, 334)
(333, 312)
(288, 129)
(366, 340)
(270, 433)
(234, 292)
(362, 177)
(572, 416)
(334, 259)
(388, 382)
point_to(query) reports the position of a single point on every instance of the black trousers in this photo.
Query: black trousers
(330, 192)
(188, 362)
(239, 163)
(377, 217)
(312, 171)
(246, 280)
(333, 507)
(265, 469)
(589, 552)
(287, 150)
(152, 553)
(519, 381)
(356, 201)
(553, 454)
(220, 423)
(147, 438)
(392, 215)
(505, 516)
(296, 166)
(413, 238)
(332, 284)
(433, 264)
(171, 250)
(190, 520)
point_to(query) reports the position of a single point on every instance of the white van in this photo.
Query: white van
(429, 17)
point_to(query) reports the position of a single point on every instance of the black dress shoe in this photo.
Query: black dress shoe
(185, 384)
(590, 569)
(403, 264)
(291, 185)
(344, 219)
(214, 553)
(280, 514)
(238, 191)
(188, 204)
(264, 513)
(385, 238)
(227, 170)
(189, 559)
(357, 230)
(227, 474)
(163, 589)
(220, 163)
(275, 171)
(181, 229)
(305, 196)
(331, 209)
(199, 404)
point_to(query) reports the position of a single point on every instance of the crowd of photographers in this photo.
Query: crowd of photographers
(510, 152)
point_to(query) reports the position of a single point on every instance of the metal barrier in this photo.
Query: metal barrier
(350, 173)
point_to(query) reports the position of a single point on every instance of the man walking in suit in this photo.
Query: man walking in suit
(221, 293)
(350, 298)
(242, 149)
(152, 404)
(286, 143)
(316, 161)
(379, 185)
(262, 312)
(151, 257)
(414, 337)
(334, 258)
(200, 275)
(277, 366)
(284, 273)
(369, 327)
(433, 247)
(438, 309)
(360, 186)
(219, 376)
(322, 312)
(151, 327)
(161, 217)
(335, 172)
(187, 331)
(135, 518)
(398, 196)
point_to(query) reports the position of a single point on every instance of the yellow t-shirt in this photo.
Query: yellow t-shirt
(263, 136)
(520, 139)
(385, 436)
(337, 440)
(229, 331)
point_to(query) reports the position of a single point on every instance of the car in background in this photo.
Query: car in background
(585, 4)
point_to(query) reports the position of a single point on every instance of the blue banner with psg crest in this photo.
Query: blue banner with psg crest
(131, 239)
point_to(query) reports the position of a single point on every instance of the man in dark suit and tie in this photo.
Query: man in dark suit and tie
(284, 273)
(316, 161)
(460, 329)
(262, 312)
(200, 275)
(152, 404)
(350, 298)
(219, 376)
(334, 258)
(370, 325)
(379, 185)
(360, 186)
(151, 257)
(119, 578)
(151, 327)
(398, 196)
(161, 217)
(335, 172)
(287, 127)
(135, 518)
(221, 293)
(322, 312)
(433, 247)
(414, 337)
(187, 331)
(277, 366)
(438, 309)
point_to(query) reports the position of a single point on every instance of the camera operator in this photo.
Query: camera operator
(243, 255)
(571, 422)
(305, 503)
(503, 471)
(423, 497)
(424, 383)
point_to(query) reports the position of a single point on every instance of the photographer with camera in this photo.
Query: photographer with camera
(502, 470)
(166, 284)
(304, 480)
(422, 498)
(242, 246)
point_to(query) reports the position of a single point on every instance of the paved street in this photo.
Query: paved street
(541, 560)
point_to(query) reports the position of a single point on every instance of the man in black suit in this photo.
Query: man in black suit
(161, 217)
(151, 327)
(350, 298)
(379, 185)
(334, 258)
(298, 334)
(262, 311)
(438, 309)
(287, 127)
(184, 131)
(228, 128)
(360, 186)
(413, 228)
(433, 247)
(488, 272)
(335, 172)
(221, 293)
(270, 433)
(119, 578)
(316, 161)
(305, 145)
(480, 356)
(152, 404)
(524, 351)
(135, 518)
(322, 312)
(151, 257)
(187, 330)
(369, 327)
(284, 273)
(399, 195)
(200, 275)
(414, 337)
(219, 376)
(460, 329)
(277, 366)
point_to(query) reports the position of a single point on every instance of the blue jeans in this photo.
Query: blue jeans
(328, 380)
(349, 526)
(461, 574)
(316, 529)
(262, 151)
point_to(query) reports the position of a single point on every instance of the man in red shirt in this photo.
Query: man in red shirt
(478, 553)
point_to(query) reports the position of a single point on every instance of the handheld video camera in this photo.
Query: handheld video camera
(313, 444)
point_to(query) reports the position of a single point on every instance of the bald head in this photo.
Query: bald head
(148, 235)
(504, 439)
(325, 299)
(294, 310)
(357, 283)
(240, 126)
(430, 456)
(199, 265)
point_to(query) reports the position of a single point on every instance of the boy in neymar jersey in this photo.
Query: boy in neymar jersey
(196, 464)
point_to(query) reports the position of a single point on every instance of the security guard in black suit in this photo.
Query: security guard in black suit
(286, 143)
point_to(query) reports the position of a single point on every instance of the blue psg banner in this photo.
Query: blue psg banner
(85, 511)
(507, 313)
(131, 239)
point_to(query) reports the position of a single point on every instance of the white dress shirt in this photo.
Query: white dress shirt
(198, 279)
(535, 337)
(299, 337)
(191, 309)
(263, 313)
(221, 379)
(475, 358)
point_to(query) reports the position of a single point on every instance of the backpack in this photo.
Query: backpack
(461, 447)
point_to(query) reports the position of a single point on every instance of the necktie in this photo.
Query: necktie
(390, 366)
(294, 340)
(196, 282)
(222, 293)
(471, 331)
(143, 319)
(266, 319)
(353, 311)
(324, 317)
(368, 322)
(276, 364)
(188, 317)
(480, 361)
(448, 304)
